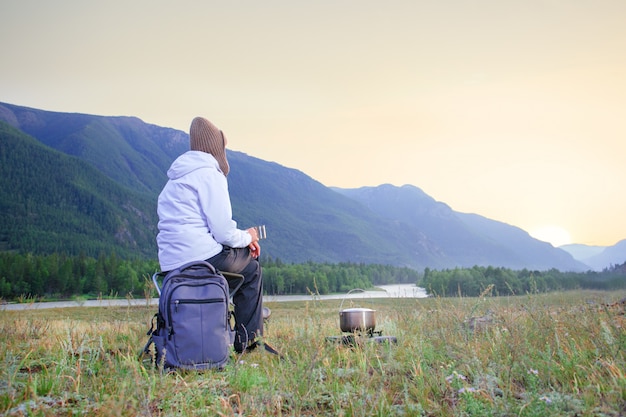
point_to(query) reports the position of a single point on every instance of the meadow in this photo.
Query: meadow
(556, 354)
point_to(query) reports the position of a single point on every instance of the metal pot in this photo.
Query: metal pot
(357, 319)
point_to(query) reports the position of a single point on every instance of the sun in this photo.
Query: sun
(555, 235)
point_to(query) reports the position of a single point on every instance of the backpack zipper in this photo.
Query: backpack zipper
(188, 301)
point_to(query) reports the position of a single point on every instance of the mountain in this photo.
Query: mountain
(468, 239)
(121, 163)
(305, 220)
(582, 252)
(599, 257)
(52, 202)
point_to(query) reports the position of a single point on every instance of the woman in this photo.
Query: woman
(195, 223)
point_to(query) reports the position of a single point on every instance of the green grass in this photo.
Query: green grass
(560, 354)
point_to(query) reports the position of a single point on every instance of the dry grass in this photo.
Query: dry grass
(556, 354)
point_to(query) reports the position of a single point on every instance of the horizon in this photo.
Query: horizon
(514, 111)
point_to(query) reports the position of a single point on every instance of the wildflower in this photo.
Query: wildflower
(455, 375)
(533, 371)
(545, 399)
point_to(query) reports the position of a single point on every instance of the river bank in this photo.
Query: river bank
(383, 291)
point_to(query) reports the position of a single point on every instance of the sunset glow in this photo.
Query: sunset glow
(555, 235)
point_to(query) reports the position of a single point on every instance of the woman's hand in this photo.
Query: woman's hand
(255, 249)
(253, 233)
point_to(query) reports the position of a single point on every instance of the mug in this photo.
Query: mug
(260, 231)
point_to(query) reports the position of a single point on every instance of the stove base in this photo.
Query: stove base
(356, 340)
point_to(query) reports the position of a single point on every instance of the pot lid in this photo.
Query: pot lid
(357, 309)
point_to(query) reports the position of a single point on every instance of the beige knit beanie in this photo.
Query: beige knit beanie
(205, 137)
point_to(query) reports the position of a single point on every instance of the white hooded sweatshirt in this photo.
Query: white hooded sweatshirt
(195, 214)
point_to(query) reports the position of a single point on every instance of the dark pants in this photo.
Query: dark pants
(249, 299)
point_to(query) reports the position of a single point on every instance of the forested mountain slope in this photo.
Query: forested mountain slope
(52, 202)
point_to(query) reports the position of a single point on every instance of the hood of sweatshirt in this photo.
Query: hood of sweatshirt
(191, 161)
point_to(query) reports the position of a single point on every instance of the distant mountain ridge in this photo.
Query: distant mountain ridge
(305, 220)
(469, 239)
(598, 257)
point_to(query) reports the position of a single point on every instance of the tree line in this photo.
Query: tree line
(474, 281)
(64, 276)
(25, 275)
(325, 278)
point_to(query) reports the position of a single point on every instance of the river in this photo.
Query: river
(383, 291)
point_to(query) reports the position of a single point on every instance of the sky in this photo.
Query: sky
(514, 110)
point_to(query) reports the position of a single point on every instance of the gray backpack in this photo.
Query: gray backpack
(193, 327)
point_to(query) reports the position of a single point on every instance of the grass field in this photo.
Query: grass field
(559, 354)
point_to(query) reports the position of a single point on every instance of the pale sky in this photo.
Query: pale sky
(515, 110)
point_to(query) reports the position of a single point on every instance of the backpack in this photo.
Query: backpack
(194, 328)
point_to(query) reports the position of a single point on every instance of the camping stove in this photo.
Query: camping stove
(360, 338)
(357, 325)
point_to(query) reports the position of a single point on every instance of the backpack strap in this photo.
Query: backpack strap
(197, 263)
(146, 349)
